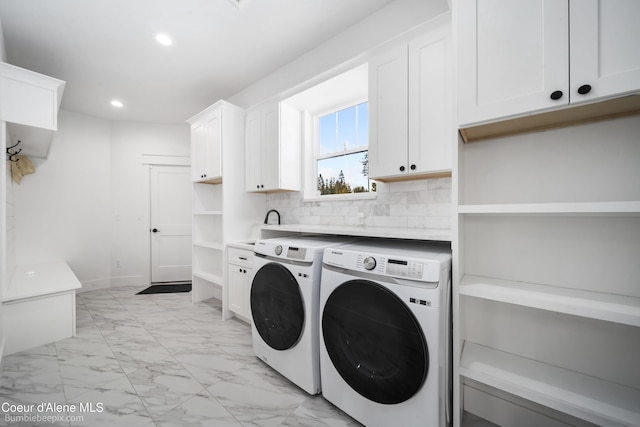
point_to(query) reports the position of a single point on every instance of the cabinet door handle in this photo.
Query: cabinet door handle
(584, 89)
(401, 168)
(413, 167)
(244, 258)
(556, 95)
(258, 186)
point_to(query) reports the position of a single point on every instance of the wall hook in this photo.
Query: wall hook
(14, 153)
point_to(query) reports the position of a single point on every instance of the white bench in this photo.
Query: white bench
(40, 306)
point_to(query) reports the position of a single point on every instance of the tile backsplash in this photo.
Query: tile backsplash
(417, 204)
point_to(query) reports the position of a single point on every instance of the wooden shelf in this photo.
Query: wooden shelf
(569, 116)
(595, 305)
(582, 396)
(626, 208)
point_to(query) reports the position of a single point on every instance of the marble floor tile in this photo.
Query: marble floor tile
(158, 361)
(199, 410)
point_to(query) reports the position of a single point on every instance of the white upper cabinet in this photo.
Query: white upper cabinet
(273, 148)
(29, 104)
(410, 122)
(206, 145)
(518, 58)
(513, 57)
(388, 113)
(605, 57)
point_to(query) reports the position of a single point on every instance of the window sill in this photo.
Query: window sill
(370, 195)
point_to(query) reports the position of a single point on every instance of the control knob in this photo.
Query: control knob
(278, 249)
(369, 263)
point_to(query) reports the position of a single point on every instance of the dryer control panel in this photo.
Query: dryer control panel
(412, 268)
(405, 268)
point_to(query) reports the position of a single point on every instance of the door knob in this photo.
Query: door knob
(155, 230)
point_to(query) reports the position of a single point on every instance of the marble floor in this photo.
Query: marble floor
(153, 360)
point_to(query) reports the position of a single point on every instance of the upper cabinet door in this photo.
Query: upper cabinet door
(388, 109)
(253, 155)
(198, 151)
(271, 148)
(513, 57)
(206, 145)
(605, 56)
(213, 126)
(430, 106)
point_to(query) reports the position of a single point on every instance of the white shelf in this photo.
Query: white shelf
(578, 208)
(209, 245)
(213, 278)
(576, 394)
(595, 305)
(214, 213)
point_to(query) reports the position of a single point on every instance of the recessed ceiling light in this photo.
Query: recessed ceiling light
(117, 103)
(164, 39)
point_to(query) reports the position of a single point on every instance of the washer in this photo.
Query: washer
(385, 332)
(284, 300)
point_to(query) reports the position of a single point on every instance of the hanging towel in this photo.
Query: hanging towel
(23, 166)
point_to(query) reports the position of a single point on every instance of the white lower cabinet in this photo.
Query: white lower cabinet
(239, 281)
(546, 292)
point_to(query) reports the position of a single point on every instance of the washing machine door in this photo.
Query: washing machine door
(277, 306)
(375, 342)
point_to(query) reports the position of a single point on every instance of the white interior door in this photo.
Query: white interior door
(170, 223)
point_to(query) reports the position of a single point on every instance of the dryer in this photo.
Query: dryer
(284, 301)
(385, 332)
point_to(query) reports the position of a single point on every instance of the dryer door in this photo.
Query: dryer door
(277, 306)
(375, 342)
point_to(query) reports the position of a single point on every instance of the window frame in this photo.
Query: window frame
(312, 175)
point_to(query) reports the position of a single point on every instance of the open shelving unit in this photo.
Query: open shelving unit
(208, 243)
(222, 211)
(583, 396)
(547, 237)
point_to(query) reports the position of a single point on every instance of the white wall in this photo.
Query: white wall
(345, 50)
(62, 211)
(129, 215)
(7, 252)
(88, 204)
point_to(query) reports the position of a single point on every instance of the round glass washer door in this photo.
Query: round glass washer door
(277, 306)
(375, 342)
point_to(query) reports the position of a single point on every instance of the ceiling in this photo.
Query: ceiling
(105, 49)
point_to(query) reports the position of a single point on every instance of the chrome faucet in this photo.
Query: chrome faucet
(266, 218)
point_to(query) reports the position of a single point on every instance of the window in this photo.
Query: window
(341, 158)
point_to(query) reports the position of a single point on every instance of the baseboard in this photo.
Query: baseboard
(93, 285)
(139, 280)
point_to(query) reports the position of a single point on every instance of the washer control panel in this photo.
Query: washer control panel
(296, 253)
